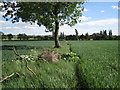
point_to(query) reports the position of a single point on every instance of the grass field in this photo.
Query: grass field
(99, 62)
(97, 67)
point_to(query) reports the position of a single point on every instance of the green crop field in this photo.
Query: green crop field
(99, 62)
(97, 66)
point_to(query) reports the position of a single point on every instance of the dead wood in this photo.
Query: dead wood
(6, 78)
(25, 61)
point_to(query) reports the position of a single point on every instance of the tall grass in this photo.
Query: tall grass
(50, 75)
(99, 62)
(97, 68)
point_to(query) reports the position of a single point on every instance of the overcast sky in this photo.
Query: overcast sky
(96, 16)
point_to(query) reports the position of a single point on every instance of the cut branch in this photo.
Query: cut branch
(9, 76)
(25, 61)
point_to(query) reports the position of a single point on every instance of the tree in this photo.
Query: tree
(4, 36)
(100, 35)
(19, 36)
(35, 37)
(87, 36)
(104, 35)
(61, 35)
(81, 37)
(10, 36)
(76, 34)
(49, 14)
(46, 37)
(110, 35)
(1, 34)
(22, 36)
(39, 37)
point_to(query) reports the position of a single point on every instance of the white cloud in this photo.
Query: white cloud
(95, 26)
(116, 7)
(83, 27)
(4, 23)
(10, 28)
(67, 30)
(100, 22)
(1, 4)
(102, 11)
(21, 27)
(2, 13)
(85, 10)
(83, 18)
(30, 27)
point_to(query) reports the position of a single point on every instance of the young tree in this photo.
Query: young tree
(4, 36)
(1, 34)
(61, 35)
(39, 37)
(49, 14)
(87, 36)
(110, 32)
(101, 34)
(76, 34)
(110, 35)
(19, 36)
(81, 37)
(105, 34)
(22, 36)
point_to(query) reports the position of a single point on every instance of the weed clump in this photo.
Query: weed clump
(70, 57)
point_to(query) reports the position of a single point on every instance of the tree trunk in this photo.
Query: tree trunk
(57, 44)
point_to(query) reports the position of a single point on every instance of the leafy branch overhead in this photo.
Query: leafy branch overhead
(44, 13)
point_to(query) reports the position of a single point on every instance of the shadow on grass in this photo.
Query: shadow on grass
(19, 47)
(80, 77)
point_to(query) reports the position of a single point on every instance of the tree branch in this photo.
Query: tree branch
(25, 61)
(9, 77)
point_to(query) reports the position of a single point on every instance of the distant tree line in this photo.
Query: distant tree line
(95, 36)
